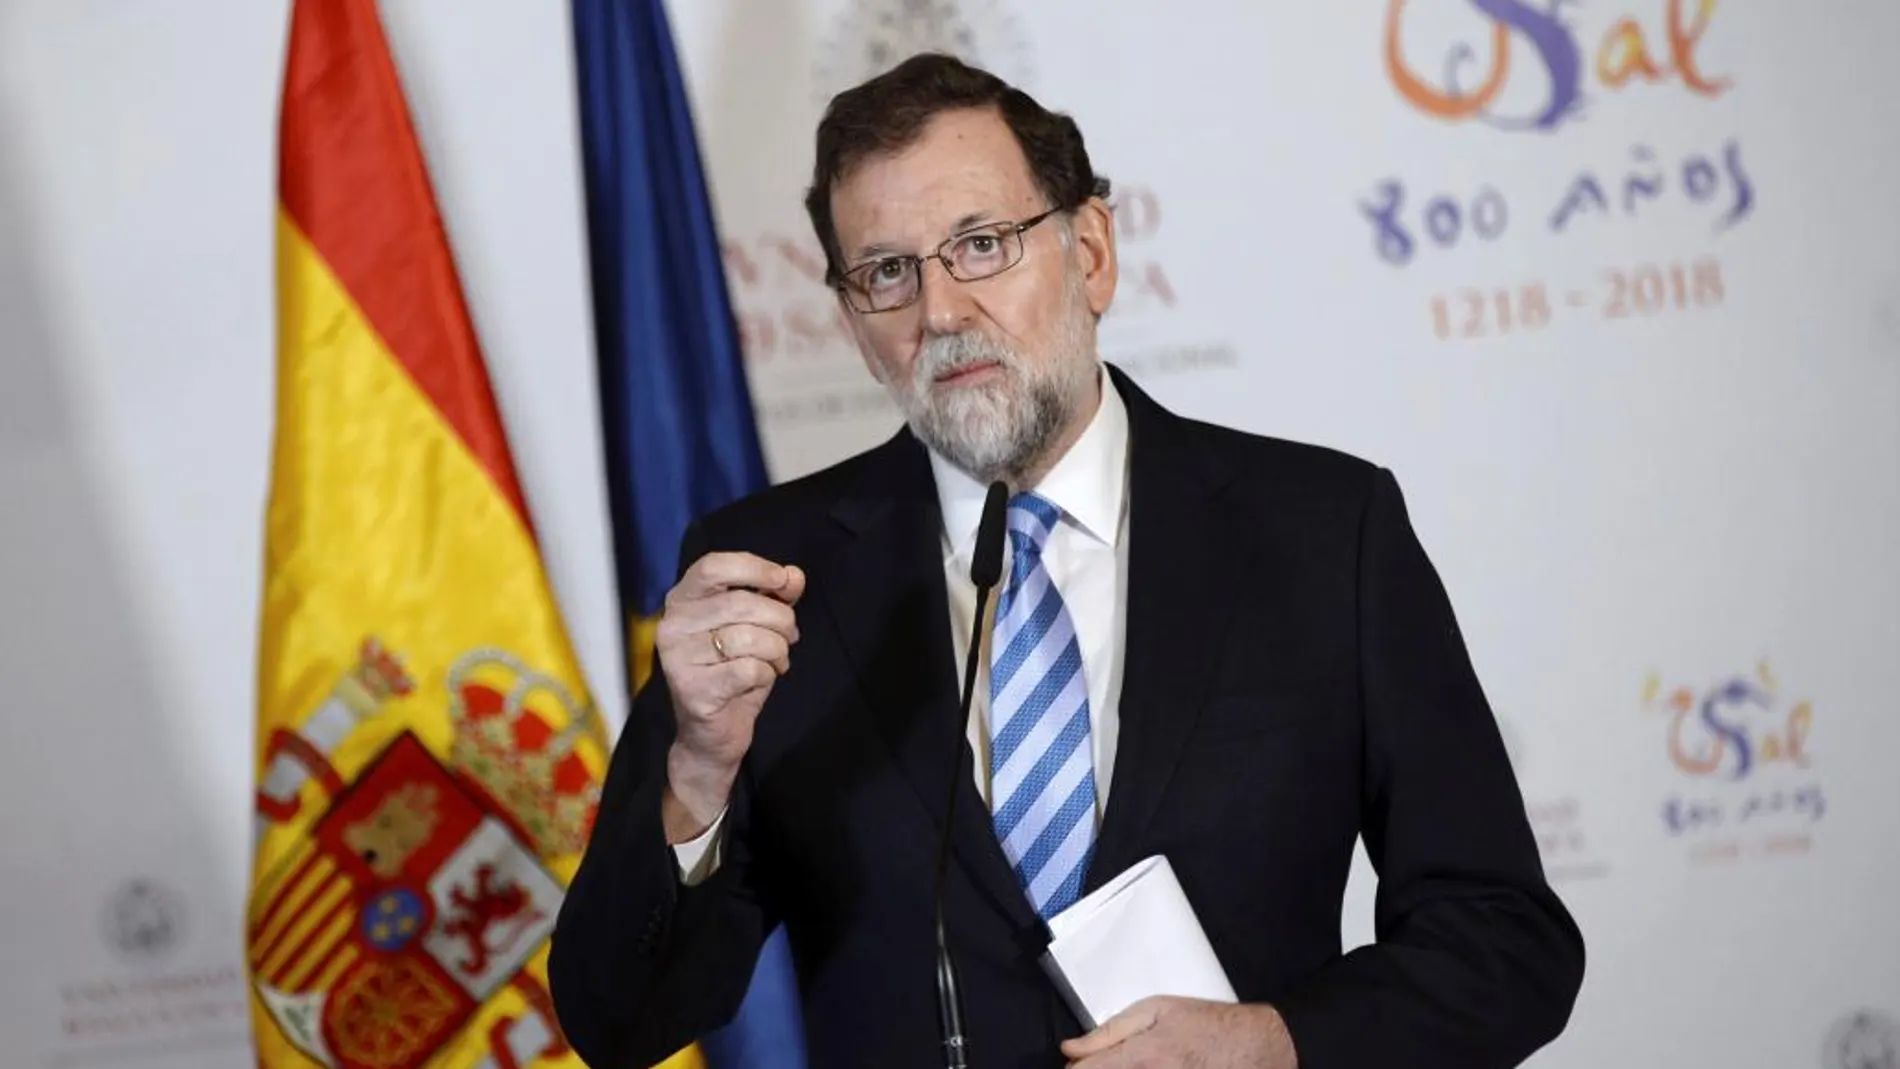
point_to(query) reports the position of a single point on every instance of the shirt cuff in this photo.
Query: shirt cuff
(698, 857)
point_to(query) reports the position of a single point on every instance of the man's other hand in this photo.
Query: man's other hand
(1180, 1033)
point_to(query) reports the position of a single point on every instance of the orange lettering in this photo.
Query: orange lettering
(1430, 100)
(1682, 45)
(1624, 55)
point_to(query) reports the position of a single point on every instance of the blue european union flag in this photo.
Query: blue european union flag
(677, 415)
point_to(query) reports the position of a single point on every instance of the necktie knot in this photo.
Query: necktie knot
(1031, 519)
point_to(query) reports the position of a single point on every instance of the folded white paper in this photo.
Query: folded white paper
(1134, 938)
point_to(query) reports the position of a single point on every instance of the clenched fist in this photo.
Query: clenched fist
(725, 636)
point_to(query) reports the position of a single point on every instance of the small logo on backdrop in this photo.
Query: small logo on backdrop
(1864, 1039)
(1741, 745)
(1511, 66)
(144, 920)
(871, 36)
(160, 995)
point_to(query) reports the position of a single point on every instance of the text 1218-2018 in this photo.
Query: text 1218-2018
(1622, 293)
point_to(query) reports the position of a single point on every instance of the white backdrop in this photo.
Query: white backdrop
(1652, 441)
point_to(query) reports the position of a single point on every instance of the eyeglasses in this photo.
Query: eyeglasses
(892, 282)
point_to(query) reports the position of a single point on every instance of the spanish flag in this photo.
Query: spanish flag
(428, 760)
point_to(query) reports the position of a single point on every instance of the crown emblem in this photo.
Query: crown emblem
(505, 744)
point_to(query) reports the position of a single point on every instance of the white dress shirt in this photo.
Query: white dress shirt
(1087, 558)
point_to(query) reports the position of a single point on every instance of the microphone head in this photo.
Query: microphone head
(986, 564)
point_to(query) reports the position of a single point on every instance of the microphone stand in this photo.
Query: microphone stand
(986, 568)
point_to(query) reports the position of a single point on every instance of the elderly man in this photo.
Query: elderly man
(1213, 646)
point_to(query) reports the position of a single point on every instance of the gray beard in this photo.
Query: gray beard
(995, 431)
(1004, 429)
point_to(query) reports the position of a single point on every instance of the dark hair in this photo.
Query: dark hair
(889, 112)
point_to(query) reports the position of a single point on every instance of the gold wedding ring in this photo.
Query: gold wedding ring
(718, 646)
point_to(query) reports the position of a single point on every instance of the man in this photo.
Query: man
(1214, 646)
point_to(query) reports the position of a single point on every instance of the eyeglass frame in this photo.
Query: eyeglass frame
(1004, 228)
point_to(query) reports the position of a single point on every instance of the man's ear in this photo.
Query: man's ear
(1093, 224)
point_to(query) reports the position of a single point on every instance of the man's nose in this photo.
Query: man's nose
(947, 303)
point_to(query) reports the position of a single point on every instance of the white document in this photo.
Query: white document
(1134, 938)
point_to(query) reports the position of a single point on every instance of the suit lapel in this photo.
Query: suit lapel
(887, 600)
(1178, 607)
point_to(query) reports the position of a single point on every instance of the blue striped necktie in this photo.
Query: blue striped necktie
(1042, 768)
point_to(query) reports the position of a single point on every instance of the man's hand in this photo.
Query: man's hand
(1180, 1033)
(725, 636)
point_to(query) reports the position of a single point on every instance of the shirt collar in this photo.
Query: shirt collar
(1089, 483)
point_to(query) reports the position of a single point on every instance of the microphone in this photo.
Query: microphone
(986, 570)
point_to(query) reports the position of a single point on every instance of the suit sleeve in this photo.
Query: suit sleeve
(642, 965)
(1476, 962)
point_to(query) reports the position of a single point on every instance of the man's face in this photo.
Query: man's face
(999, 375)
